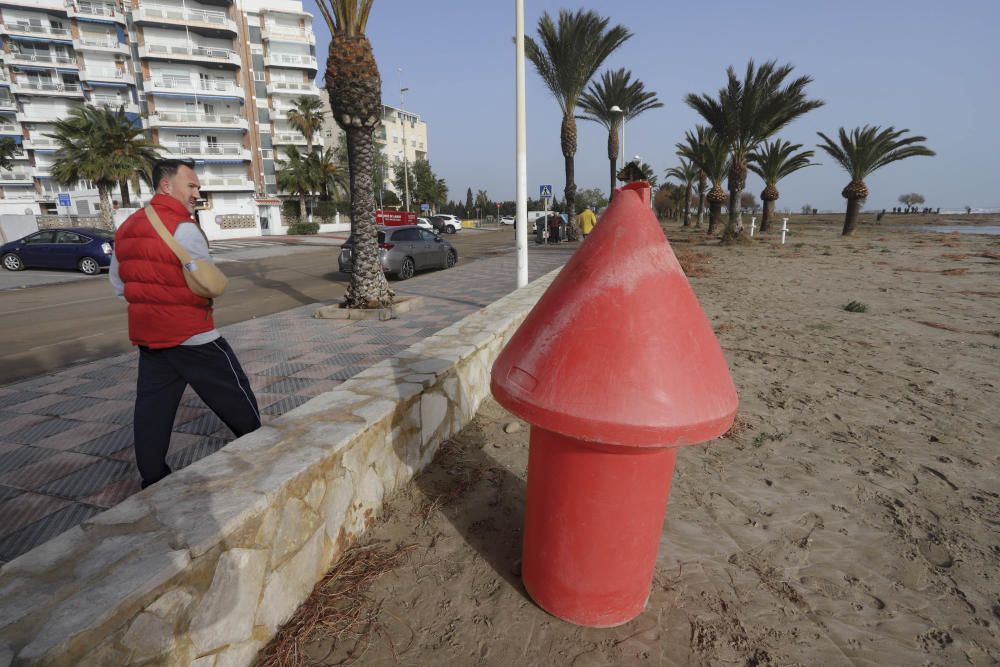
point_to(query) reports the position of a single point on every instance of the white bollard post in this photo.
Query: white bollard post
(753, 226)
(784, 229)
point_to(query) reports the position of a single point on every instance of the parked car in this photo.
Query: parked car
(507, 220)
(405, 250)
(424, 223)
(82, 248)
(445, 223)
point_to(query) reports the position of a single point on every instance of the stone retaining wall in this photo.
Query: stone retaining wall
(202, 568)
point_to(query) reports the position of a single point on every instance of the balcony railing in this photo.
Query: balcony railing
(289, 138)
(186, 83)
(40, 142)
(102, 74)
(10, 128)
(89, 8)
(202, 52)
(207, 149)
(209, 182)
(19, 27)
(293, 87)
(15, 175)
(99, 43)
(284, 32)
(42, 58)
(214, 18)
(48, 86)
(195, 117)
(7, 103)
(291, 60)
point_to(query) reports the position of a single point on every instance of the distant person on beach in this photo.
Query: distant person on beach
(587, 220)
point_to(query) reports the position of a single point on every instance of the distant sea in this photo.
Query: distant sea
(961, 229)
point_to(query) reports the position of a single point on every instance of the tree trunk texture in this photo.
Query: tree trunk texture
(701, 209)
(768, 214)
(302, 207)
(687, 205)
(613, 159)
(851, 217)
(107, 219)
(572, 230)
(730, 231)
(123, 186)
(368, 287)
(714, 215)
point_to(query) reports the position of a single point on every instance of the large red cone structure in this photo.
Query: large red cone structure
(615, 367)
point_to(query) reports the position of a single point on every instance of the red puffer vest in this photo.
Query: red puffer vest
(162, 311)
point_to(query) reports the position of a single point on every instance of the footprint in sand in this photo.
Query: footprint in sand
(935, 554)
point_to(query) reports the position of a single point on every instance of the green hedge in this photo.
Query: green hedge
(300, 228)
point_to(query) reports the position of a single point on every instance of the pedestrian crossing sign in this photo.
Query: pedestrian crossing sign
(545, 192)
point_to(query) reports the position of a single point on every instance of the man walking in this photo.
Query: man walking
(587, 220)
(171, 325)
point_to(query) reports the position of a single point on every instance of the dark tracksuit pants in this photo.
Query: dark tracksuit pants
(213, 372)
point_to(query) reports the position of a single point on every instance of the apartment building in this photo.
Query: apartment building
(209, 79)
(400, 131)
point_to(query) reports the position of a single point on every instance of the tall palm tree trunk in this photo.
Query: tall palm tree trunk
(767, 215)
(123, 187)
(302, 206)
(568, 141)
(368, 287)
(851, 217)
(714, 216)
(107, 219)
(613, 160)
(687, 205)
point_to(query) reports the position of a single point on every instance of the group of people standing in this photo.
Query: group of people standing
(556, 227)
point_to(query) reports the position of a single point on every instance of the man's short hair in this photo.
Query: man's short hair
(168, 168)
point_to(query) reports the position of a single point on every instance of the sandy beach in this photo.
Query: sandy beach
(851, 517)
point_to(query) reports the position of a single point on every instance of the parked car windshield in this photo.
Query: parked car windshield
(350, 239)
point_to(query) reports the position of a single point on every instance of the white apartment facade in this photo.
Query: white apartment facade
(208, 79)
(400, 131)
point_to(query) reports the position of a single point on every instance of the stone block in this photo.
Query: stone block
(433, 413)
(240, 655)
(339, 496)
(297, 523)
(315, 495)
(223, 616)
(289, 585)
(149, 636)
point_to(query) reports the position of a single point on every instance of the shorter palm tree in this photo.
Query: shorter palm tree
(773, 161)
(8, 149)
(690, 149)
(862, 152)
(711, 155)
(686, 173)
(103, 146)
(331, 173)
(616, 91)
(297, 175)
(306, 116)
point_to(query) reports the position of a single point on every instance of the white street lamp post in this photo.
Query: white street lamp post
(521, 223)
(618, 109)
(406, 172)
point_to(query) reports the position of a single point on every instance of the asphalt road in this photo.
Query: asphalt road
(49, 327)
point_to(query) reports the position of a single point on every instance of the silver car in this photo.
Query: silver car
(404, 250)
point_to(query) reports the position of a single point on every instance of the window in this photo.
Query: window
(258, 76)
(69, 237)
(406, 235)
(41, 237)
(427, 236)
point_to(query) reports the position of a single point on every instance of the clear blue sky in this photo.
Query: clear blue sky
(926, 65)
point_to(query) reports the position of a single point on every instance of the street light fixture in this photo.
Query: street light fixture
(618, 109)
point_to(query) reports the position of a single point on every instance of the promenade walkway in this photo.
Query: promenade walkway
(66, 438)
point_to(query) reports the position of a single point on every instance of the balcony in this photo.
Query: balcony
(16, 176)
(28, 30)
(201, 20)
(290, 60)
(92, 9)
(181, 84)
(211, 183)
(292, 88)
(37, 114)
(282, 33)
(7, 104)
(40, 143)
(28, 195)
(114, 102)
(112, 75)
(237, 151)
(100, 45)
(47, 88)
(10, 128)
(290, 139)
(191, 119)
(217, 56)
(44, 59)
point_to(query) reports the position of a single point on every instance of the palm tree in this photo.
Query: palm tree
(566, 57)
(862, 152)
(306, 116)
(615, 90)
(355, 89)
(749, 111)
(299, 175)
(104, 146)
(712, 157)
(687, 173)
(331, 174)
(8, 149)
(690, 149)
(774, 161)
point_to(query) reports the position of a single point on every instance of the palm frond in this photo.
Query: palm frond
(869, 148)
(775, 160)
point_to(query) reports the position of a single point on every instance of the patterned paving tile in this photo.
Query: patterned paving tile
(184, 457)
(203, 425)
(26, 508)
(292, 385)
(108, 444)
(115, 492)
(104, 410)
(346, 373)
(283, 369)
(17, 543)
(70, 405)
(125, 390)
(30, 434)
(20, 456)
(48, 469)
(13, 398)
(6, 493)
(284, 405)
(76, 436)
(88, 480)
(39, 405)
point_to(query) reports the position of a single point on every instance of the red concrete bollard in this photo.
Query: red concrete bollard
(615, 367)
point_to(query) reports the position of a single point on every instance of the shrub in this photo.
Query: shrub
(855, 307)
(303, 228)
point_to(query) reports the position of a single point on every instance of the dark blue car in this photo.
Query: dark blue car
(84, 249)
